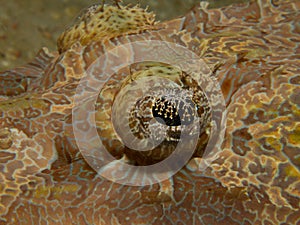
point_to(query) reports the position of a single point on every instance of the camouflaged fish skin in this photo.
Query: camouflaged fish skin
(252, 48)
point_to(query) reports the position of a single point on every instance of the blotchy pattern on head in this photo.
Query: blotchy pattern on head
(253, 51)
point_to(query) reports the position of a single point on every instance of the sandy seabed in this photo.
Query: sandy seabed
(28, 25)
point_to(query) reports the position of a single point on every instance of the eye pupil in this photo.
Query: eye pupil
(172, 113)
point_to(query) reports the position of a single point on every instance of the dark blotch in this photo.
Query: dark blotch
(239, 142)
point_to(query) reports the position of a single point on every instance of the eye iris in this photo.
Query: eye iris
(172, 112)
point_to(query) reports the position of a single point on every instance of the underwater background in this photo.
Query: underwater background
(28, 25)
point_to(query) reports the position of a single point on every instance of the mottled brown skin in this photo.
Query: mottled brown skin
(254, 51)
(90, 25)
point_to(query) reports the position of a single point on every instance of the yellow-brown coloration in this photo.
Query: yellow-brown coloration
(253, 50)
(140, 115)
(5, 139)
(99, 23)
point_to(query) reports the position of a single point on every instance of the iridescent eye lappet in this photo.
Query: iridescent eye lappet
(254, 53)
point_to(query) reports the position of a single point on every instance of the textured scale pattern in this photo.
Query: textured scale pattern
(105, 22)
(253, 50)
